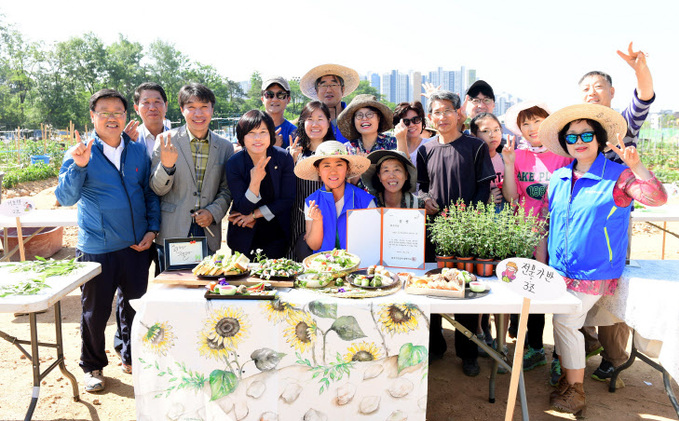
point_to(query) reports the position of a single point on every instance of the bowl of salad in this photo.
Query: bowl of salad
(337, 263)
(277, 269)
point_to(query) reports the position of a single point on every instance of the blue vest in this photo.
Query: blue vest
(587, 231)
(334, 226)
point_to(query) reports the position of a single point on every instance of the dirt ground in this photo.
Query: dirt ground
(452, 396)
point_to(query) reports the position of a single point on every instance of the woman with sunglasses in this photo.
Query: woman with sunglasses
(409, 125)
(589, 204)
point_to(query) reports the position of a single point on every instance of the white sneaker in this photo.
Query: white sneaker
(94, 381)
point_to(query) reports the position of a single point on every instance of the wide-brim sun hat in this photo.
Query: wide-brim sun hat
(345, 121)
(306, 170)
(307, 84)
(378, 157)
(612, 121)
(513, 113)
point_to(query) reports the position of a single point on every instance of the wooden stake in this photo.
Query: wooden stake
(20, 240)
(517, 365)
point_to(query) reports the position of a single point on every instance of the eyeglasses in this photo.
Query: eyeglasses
(361, 116)
(496, 130)
(279, 94)
(446, 113)
(478, 101)
(102, 114)
(328, 85)
(586, 137)
(414, 120)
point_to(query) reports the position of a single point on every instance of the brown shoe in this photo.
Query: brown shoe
(560, 388)
(571, 401)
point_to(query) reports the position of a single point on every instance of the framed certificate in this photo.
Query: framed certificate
(184, 253)
(391, 237)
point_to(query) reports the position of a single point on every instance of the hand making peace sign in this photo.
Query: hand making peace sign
(168, 152)
(81, 153)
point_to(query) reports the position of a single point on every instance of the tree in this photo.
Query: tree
(297, 101)
(254, 101)
(123, 67)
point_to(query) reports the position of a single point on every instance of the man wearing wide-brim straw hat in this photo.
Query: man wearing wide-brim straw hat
(373, 118)
(329, 83)
(326, 208)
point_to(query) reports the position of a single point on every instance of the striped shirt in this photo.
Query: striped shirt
(635, 114)
(298, 224)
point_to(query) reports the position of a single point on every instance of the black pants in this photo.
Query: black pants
(464, 348)
(534, 329)
(125, 271)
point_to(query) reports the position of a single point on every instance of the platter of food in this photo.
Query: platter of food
(277, 269)
(447, 283)
(316, 280)
(337, 262)
(374, 277)
(222, 290)
(223, 266)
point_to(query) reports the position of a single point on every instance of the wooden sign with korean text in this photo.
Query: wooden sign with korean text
(531, 279)
(16, 207)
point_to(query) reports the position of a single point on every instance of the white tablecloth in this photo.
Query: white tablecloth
(646, 299)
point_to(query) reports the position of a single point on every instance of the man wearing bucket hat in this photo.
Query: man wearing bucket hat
(392, 179)
(364, 121)
(326, 208)
(275, 97)
(589, 205)
(597, 88)
(329, 83)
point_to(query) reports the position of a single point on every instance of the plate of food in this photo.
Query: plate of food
(447, 283)
(277, 269)
(314, 280)
(337, 262)
(223, 291)
(223, 266)
(374, 277)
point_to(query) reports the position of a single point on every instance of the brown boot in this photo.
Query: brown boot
(560, 388)
(571, 401)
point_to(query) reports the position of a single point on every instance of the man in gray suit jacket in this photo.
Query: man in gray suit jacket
(189, 173)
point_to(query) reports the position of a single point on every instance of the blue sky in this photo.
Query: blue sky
(533, 49)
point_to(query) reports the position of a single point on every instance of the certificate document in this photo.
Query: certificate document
(391, 237)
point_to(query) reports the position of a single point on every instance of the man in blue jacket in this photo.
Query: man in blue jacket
(118, 219)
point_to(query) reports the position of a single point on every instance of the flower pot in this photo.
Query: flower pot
(485, 267)
(468, 266)
(44, 244)
(444, 261)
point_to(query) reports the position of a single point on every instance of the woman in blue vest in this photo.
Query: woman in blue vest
(589, 210)
(326, 208)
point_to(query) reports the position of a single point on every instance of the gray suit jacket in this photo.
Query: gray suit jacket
(178, 191)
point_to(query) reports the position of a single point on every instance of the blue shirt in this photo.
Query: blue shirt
(287, 129)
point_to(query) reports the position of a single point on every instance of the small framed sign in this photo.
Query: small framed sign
(184, 253)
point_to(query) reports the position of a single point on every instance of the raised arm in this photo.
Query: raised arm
(637, 61)
(509, 188)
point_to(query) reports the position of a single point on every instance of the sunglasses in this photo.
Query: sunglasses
(279, 94)
(414, 120)
(586, 137)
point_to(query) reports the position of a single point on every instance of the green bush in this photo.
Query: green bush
(34, 172)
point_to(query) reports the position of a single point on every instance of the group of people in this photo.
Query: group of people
(288, 190)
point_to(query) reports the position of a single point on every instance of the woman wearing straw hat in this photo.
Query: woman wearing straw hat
(391, 178)
(329, 83)
(314, 129)
(589, 207)
(261, 181)
(326, 208)
(363, 122)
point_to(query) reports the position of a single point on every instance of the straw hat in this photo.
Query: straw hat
(378, 157)
(306, 170)
(308, 82)
(513, 113)
(612, 121)
(345, 121)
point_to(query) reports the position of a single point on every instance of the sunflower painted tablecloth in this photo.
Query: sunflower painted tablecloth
(302, 356)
